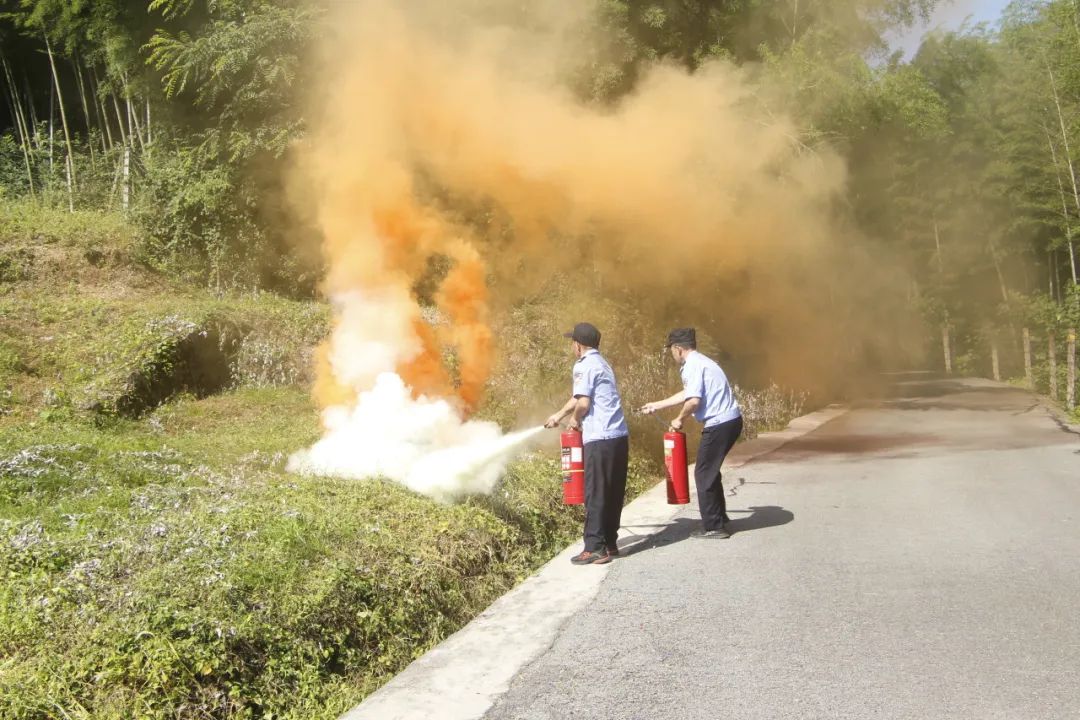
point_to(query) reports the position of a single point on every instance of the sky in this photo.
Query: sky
(950, 15)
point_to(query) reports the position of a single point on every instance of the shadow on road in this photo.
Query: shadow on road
(758, 517)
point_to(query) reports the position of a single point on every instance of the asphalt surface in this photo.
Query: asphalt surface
(917, 559)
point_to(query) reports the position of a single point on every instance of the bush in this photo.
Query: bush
(769, 409)
(202, 581)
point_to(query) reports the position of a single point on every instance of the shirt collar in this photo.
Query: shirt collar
(587, 353)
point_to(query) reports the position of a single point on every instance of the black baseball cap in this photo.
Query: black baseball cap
(586, 334)
(682, 336)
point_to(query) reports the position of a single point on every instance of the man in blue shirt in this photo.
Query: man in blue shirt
(708, 396)
(595, 409)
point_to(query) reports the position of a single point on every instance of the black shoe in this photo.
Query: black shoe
(718, 534)
(613, 550)
(587, 557)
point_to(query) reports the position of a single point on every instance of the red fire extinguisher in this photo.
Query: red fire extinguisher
(678, 484)
(573, 468)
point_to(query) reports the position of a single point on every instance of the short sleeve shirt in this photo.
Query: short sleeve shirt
(594, 379)
(702, 378)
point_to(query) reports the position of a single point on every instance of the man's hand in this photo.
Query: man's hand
(553, 421)
(676, 425)
(574, 424)
(650, 408)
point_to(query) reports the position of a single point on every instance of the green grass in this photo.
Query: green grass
(27, 222)
(169, 567)
(158, 561)
(121, 356)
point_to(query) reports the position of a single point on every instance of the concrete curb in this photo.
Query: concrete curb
(462, 677)
(1058, 414)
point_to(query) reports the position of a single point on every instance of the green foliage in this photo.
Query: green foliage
(27, 224)
(101, 335)
(908, 100)
(156, 350)
(162, 563)
(241, 68)
(298, 596)
(242, 56)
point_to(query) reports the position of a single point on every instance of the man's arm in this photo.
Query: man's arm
(674, 400)
(582, 403)
(565, 410)
(692, 394)
(577, 406)
(688, 408)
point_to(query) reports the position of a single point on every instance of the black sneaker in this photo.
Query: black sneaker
(718, 534)
(586, 557)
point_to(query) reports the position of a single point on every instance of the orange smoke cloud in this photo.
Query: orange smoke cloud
(463, 296)
(446, 130)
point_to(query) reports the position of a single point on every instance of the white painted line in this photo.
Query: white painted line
(462, 677)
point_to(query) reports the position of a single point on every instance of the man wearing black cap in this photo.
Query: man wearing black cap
(707, 395)
(595, 408)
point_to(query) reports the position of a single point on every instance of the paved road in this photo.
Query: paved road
(919, 559)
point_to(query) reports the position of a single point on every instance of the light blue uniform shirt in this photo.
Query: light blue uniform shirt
(594, 379)
(703, 378)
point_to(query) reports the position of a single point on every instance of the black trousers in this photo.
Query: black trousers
(716, 443)
(606, 462)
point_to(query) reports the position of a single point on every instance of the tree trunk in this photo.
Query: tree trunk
(33, 110)
(997, 268)
(86, 109)
(1064, 204)
(937, 244)
(1065, 144)
(1070, 387)
(52, 131)
(88, 80)
(125, 186)
(1027, 360)
(1050, 274)
(71, 179)
(795, 24)
(1051, 359)
(20, 112)
(112, 188)
(119, 120)
(133, 117)
(1072, 262)
(946, 344)
(995, 358)
(124, 167)
(20, 123)
(105, 124)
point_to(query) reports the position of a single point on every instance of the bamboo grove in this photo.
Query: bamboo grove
(962, 159)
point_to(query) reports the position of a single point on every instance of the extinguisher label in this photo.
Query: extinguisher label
(576, 454)
(669, 444)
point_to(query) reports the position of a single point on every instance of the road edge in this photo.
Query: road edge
(461, 679)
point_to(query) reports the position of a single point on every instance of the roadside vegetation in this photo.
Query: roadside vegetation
(157, 327)
(158, 561)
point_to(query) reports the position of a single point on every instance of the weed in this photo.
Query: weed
(172, 569)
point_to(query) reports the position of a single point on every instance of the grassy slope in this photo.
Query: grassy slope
(159, 562)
